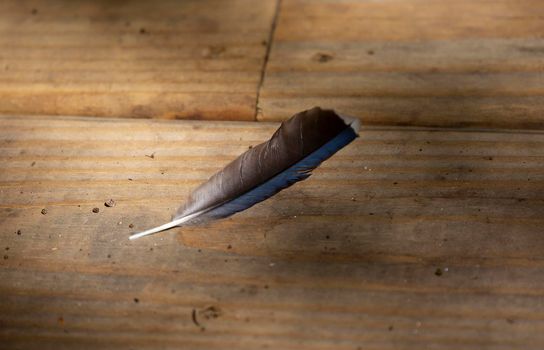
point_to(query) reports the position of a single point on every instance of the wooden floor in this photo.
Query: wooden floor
(395, 62)
(425, 233)
(418, 62)
(163, 59)
(428, 238)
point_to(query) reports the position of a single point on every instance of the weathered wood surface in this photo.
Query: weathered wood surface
(417, 62)
(164, 59)
(407, 239)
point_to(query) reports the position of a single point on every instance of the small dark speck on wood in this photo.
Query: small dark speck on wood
(322, 57)
(96, 210)
(438, 272)
(109, 203)
(210, 312)
(19, 232)
(44, 211)
(33, 163)
(34, 11)
(136, 300)
(152, 155)
(143, 31)
(195, 321)
(130, 226)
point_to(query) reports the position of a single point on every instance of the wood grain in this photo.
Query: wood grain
(409, 238)
(166, 59)
(418, 62)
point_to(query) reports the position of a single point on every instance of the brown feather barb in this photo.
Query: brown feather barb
(296, 148)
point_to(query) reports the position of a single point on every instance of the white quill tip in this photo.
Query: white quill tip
(166, 226)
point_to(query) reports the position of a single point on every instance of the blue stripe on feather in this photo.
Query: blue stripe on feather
(298, 172)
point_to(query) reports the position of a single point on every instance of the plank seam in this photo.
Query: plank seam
(266, 57)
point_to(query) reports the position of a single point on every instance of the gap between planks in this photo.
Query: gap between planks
(266, 57)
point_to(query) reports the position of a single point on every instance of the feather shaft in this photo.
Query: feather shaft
(168, 225)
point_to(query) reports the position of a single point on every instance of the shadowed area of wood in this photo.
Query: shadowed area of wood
(419, 62)
(408, 237)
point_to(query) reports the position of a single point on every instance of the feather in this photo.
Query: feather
(296, 148)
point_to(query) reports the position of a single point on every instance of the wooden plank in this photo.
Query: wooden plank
(413, 20)
(408, 238)
(167, 59)
(418, 62)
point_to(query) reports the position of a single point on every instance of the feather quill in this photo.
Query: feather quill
(300, 145)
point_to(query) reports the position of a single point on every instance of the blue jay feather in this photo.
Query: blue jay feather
(300, 145)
